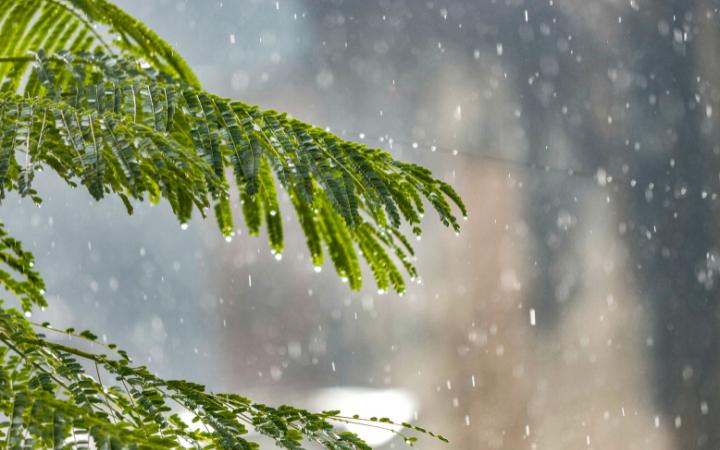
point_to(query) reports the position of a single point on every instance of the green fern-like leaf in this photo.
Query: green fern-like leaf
(95, 95)
(113, 121)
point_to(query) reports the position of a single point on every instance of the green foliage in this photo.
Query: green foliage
(78, 26)
(99, 98)
(120, 126)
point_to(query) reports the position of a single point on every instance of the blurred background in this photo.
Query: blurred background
(578, 308)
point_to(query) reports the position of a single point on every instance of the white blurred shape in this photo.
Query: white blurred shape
(397, 405)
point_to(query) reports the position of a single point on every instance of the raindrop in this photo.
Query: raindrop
(228, 238)
(183, 226)
(601, 177)
(317, 269)
(278, 256)
(457, 115)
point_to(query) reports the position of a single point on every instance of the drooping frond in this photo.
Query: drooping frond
(117, 126)
(78, 26)
(17, 275)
